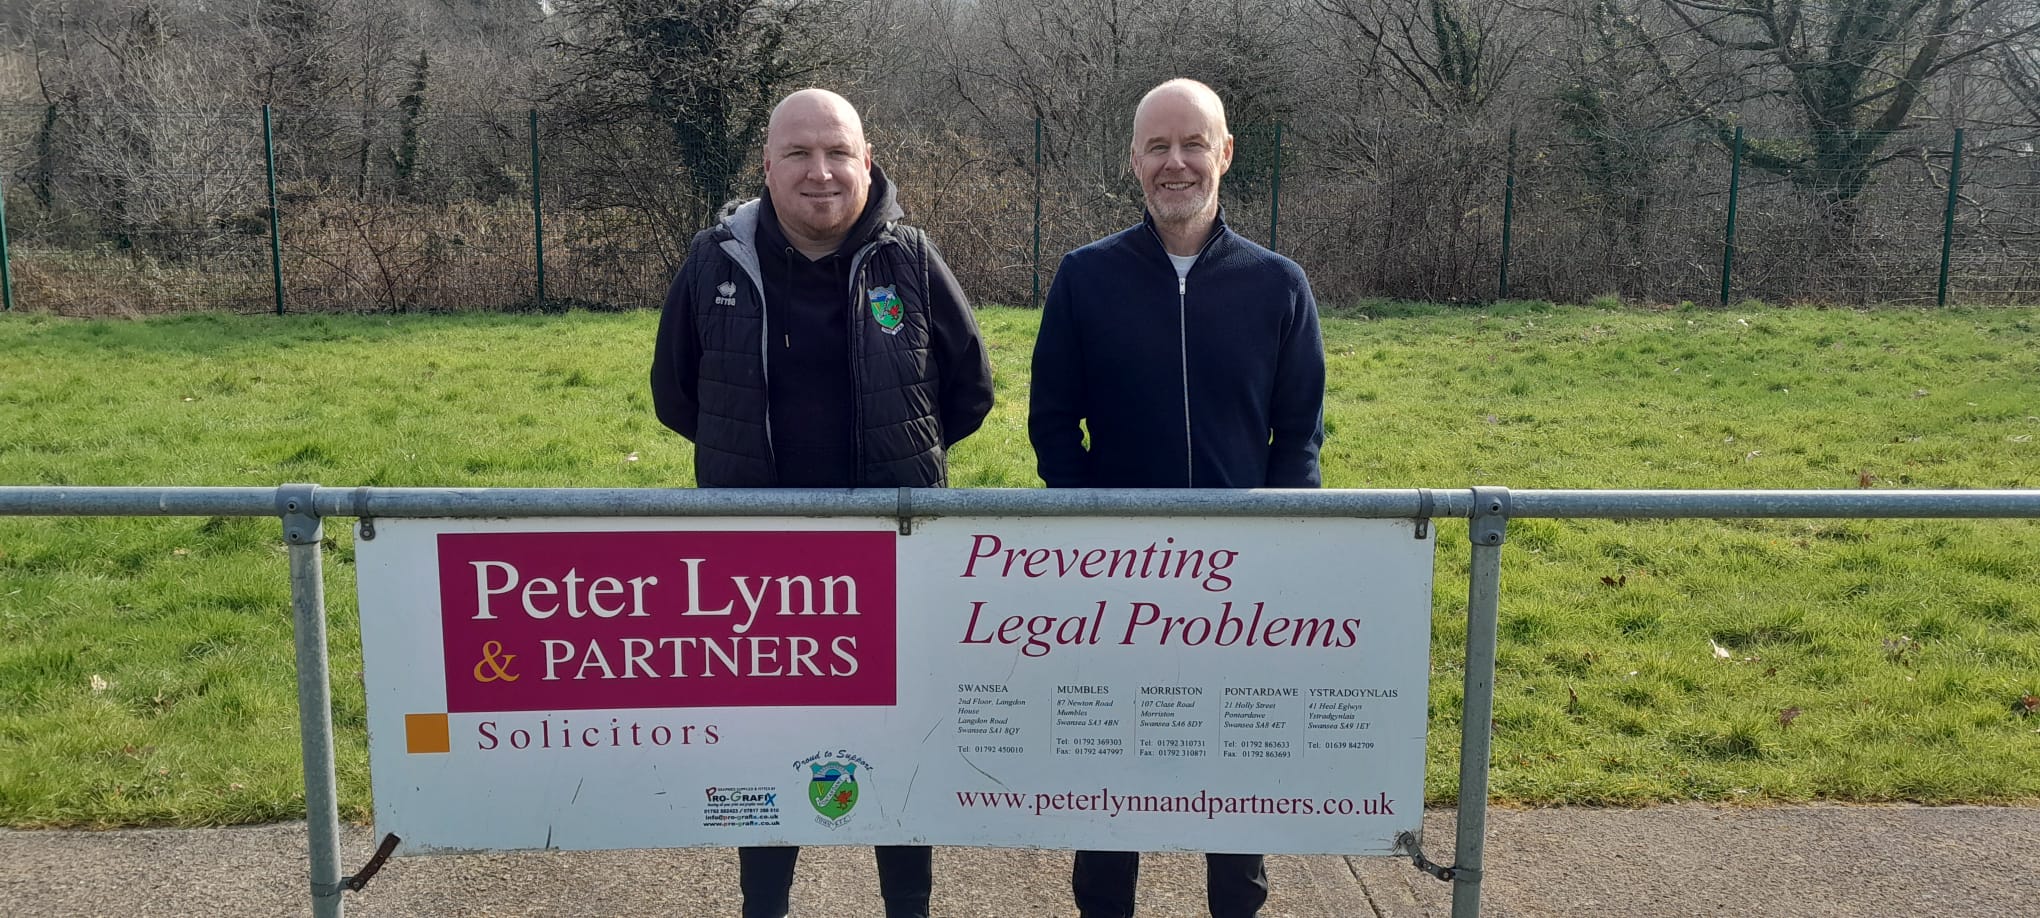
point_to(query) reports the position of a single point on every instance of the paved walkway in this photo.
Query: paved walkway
(1678, 861)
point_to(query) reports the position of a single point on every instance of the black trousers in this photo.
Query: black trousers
(906, 877)
(1235, 885)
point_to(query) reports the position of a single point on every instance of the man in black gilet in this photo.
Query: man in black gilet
(811, 341)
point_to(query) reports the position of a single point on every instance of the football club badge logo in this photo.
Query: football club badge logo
(885, 307)
(833, 790)
(832, 784)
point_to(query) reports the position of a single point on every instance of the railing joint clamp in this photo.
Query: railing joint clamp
(1490, 518)
(301, 521)
(361, 511)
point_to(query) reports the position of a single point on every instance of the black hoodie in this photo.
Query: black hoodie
(814, 439)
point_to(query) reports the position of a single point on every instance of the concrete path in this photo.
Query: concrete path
(1677, 861)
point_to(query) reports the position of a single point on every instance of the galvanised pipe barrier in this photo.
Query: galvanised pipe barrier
(302, 507)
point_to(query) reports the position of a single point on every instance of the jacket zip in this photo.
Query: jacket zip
(856, 366)
(1183, 345)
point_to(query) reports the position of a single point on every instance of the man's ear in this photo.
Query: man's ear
(1225, 155)
(867, 157)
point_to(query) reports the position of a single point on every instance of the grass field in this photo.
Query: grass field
(145, 664)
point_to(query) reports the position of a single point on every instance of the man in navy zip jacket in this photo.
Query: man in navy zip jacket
(1192, 358)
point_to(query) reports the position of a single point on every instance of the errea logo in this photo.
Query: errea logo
(726, 294)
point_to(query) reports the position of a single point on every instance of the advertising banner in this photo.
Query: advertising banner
(1135, 684)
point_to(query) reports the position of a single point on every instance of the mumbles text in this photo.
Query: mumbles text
(1147, 623)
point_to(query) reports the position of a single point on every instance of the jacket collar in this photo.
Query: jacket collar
(1218, 229)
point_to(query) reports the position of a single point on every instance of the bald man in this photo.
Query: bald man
(1192, 358)
(812, 341)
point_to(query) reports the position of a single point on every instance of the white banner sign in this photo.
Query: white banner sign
(1153, 684)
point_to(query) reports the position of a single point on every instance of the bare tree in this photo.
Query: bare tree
(1444, 56)
(290, 46)
(1849, 73)
(707, 73)
(1075, 65)
(2018, 65)
(133, 140)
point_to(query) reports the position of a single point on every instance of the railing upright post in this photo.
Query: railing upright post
(303, 532)
(1489, 526)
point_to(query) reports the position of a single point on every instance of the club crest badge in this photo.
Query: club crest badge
(833, 790)
(832, 785)
(886, 308)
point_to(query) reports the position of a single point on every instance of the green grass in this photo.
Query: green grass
(145, 664)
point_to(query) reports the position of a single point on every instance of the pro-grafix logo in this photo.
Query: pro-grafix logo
(731, 807)
(832, 784)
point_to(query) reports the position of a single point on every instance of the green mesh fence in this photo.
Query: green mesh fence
(1995, 256)
(137, 212)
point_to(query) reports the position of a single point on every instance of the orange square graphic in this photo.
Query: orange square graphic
(426, 733)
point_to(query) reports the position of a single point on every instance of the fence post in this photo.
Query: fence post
(275, 231)
(1947, 219)
(1728, 237)
(1036, 301)
(6, 272)
(1488, 528)
(1275, 197)
(303, 532)
(537, 212)
(1508, 214)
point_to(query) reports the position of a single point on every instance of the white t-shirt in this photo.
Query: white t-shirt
(1183, 263)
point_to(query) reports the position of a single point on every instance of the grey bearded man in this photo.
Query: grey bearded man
(1192, 358)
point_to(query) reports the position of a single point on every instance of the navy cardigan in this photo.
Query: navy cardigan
(1214, 382)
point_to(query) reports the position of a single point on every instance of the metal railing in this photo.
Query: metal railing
(303, 507)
